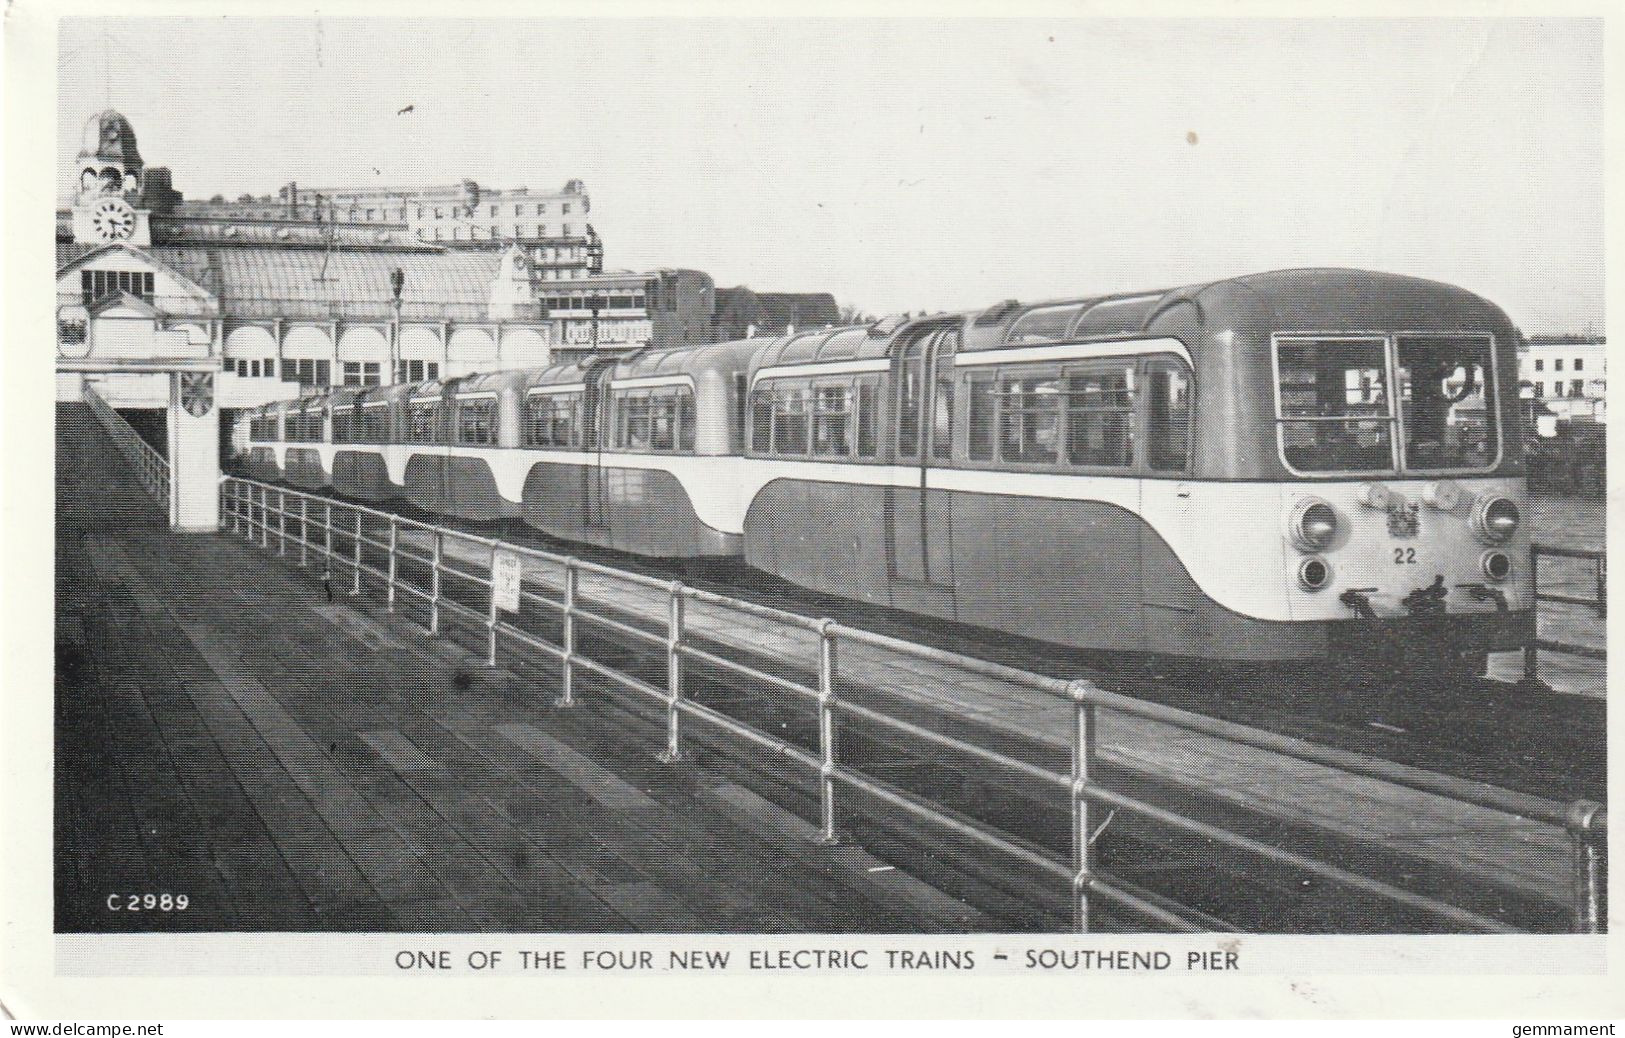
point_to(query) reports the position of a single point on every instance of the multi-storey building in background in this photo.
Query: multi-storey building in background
(1568, 374)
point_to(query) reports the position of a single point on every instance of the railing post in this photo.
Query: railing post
(355, 569)
(265, 518)
(1588, 878)
(394, 536)
(434, 587)
(572, 579)
(491, 617)
(282, 522)
(304, 531)
(1531, 654)
(827, 671)
(1083, 755)
(674, 673)
(327, 537)
(1602, 586)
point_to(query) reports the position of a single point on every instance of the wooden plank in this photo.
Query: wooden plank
(398, 751)
(583, 773)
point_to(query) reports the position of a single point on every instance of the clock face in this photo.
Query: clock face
(113, 219)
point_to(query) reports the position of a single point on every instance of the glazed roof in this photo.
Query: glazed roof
(290, 282)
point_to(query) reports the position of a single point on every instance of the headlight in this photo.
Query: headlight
(1313, 525)
(1495, 518)
(1314, 573)
(1495, 565)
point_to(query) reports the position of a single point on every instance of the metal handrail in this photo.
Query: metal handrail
(1599, 602)
(247, 508)
(151, 467)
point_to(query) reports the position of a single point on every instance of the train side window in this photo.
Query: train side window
(868, 417)
(567, 420)
(980, 414)
(341, 425)
(420, 423)
(1168, 418)
(1030, 419)
(832, 418)
(942, 432)
(635, 427)
(761, 432)
(790, 420)
(663, 420)
(686, 420)
(538, 415)
(909, 391)
(1100, 416)
(476, 422)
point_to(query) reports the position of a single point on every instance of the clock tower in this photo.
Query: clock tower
(109, 204)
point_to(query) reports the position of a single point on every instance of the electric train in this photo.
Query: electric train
(1284, 466)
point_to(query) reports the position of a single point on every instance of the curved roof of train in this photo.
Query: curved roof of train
(488, 382)
(691, 360)
(852, 342)
(1306, 297)
(702, 359)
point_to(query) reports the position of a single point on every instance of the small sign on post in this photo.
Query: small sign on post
(505, 580)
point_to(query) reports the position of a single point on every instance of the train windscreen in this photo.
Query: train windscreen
(1335, 409)
(1447, 402)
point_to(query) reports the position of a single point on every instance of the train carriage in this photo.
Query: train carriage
(461, 434)
(1281, 466)
(639, 454)
(364, 434)
(262, 460)
(307, 438)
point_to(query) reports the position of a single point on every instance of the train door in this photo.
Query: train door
(446, 434)
(919, 530)
(595, 418)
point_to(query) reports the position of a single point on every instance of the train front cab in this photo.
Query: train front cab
(1358, 488)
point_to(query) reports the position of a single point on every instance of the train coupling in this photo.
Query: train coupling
(1485, 593)
(1427, 600)
(1359, 600)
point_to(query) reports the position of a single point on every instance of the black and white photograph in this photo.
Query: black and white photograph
(790, 497)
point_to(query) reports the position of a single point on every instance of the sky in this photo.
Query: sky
(922, 164)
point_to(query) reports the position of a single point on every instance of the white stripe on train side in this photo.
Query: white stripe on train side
(1073, 351)
(1229, 535)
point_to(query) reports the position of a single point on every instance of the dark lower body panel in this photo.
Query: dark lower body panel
(463, 487)
(642, 511)
(1087, 575)
(363, 475)
(304, 468)
(260, 463)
